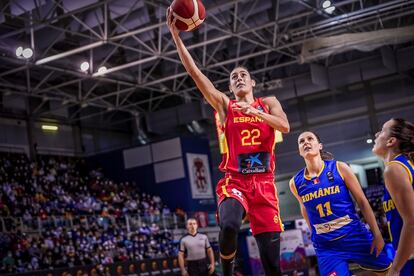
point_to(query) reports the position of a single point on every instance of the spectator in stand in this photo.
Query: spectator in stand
(8, 263)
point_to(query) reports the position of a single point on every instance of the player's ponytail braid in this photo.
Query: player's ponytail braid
(403, 130)
(326, 155)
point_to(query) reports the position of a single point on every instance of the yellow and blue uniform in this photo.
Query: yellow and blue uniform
(394, 219)
(338, 235)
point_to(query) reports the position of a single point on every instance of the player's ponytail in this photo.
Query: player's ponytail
(326, 155)
(403, 130)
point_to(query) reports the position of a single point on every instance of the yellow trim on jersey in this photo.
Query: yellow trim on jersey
(274, 141)
(227, 152)
(339, 170)
(223, 188)
(278, 210)
(223, 143)
(319, 173)
(282, 227)
(389, 230)
(294, 185)
(340, 237)
(411, 164)
(405, 166)
(220, 134)
(376, 270)
(273, 150)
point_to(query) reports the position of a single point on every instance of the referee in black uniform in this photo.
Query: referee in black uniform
(197, 247)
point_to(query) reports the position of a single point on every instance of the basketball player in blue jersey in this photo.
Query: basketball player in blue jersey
(395, 145)
(323, 190)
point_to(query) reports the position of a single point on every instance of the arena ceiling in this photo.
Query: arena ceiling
(144, 74)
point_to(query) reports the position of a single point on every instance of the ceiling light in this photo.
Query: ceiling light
(84, 66)
(19, 51)
(27, 53)
(102, 70)
(50, 127)
(326, 4)
(369, 141)
(330, 9)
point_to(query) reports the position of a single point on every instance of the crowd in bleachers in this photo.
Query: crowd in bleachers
(65, 189)
(80, 246)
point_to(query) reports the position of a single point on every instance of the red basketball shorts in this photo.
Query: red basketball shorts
(258, 195)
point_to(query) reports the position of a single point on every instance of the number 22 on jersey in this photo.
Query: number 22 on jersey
(250, 137)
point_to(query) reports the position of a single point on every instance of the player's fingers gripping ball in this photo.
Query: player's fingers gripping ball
(188, 14)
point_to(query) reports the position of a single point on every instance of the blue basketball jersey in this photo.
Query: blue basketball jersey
(329, 206)
(394, 219)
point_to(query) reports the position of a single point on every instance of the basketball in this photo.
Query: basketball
(189, 14)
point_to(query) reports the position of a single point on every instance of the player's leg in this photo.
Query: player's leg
(230, 216)
(358, 247)
(332, 263)
(269, 248)
(380, 265)
(265, 222)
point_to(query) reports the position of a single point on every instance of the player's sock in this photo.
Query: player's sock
(227, 264)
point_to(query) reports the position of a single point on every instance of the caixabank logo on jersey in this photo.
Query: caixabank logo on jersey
(257, 162)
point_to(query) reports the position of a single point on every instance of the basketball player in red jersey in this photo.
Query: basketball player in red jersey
(248, 187)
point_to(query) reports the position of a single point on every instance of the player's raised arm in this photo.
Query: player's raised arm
(215, 98)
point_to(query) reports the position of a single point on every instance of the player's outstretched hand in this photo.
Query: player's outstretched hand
(377, 244)
(171, 22)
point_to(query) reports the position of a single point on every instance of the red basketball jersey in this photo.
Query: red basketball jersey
(250, 142)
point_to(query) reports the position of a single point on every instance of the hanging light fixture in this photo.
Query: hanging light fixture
(327, 6)
(84, 66)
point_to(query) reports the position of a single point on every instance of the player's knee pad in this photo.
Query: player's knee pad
(229, 226)
(230, 213)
